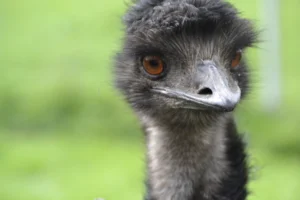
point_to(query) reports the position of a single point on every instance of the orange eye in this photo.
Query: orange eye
(153, 65)
(237, 59)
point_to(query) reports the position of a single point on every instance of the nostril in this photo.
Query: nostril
(205, 91)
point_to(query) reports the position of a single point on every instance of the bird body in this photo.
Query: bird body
(196, 163)
(181, 70)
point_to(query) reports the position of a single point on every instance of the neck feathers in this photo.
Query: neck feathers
(195, 162)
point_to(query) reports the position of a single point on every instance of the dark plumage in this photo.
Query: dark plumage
(181, 71)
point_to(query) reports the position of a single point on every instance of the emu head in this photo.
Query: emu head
(184, 57)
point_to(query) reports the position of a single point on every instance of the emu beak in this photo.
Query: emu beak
(216, 90)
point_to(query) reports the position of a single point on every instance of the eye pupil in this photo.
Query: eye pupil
(154, 63)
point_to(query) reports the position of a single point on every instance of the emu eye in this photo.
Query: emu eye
(237, 59)
(153, 65)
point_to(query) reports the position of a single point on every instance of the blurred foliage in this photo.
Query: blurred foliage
(66, 134)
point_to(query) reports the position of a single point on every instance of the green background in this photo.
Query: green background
(65, 133)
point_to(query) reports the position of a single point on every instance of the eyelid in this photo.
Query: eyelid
(239, 50)
(143, 51)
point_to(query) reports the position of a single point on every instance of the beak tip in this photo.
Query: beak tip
(229, 109)
(229, 106)
(226, 105)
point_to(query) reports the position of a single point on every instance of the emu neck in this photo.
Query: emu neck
(183, 158)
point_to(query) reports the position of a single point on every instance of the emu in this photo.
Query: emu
(182, 71)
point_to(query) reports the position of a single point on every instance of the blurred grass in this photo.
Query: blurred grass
(66, 134)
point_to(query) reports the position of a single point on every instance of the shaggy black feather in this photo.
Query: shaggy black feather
(156, 15)
(233, 187)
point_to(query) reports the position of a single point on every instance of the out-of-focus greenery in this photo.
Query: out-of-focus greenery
(66, 134)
